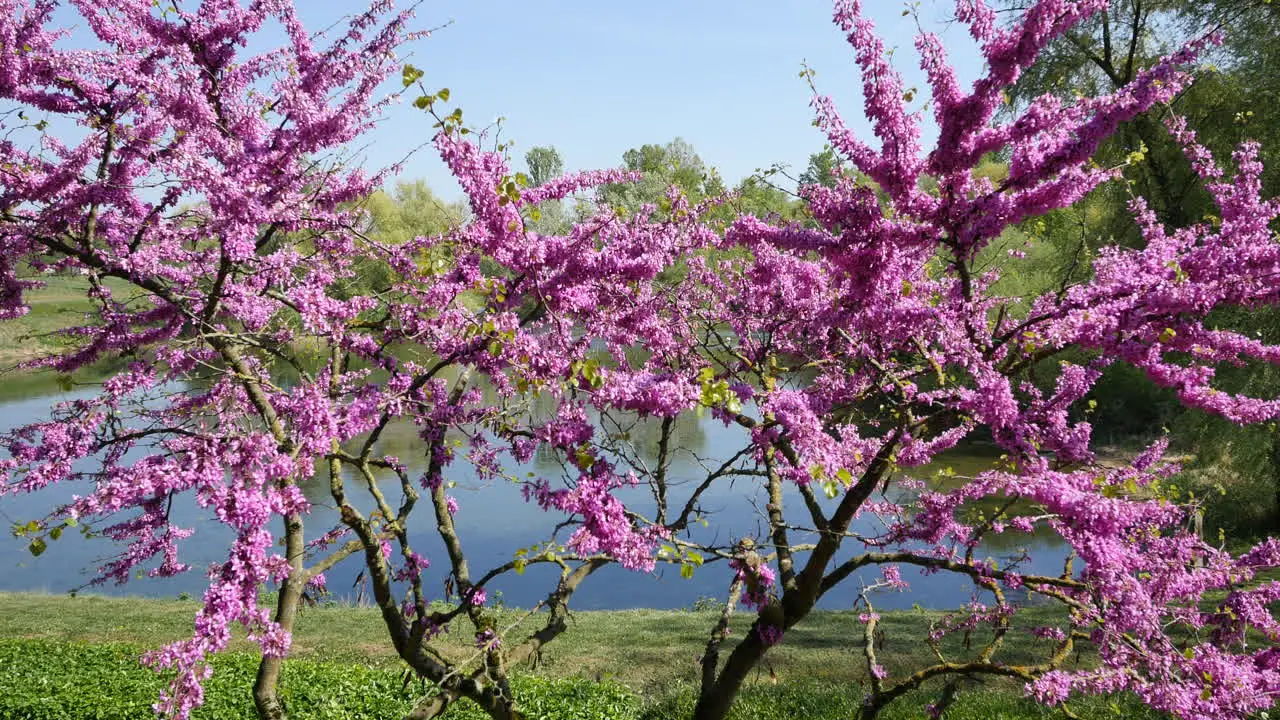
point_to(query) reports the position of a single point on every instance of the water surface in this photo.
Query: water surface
(493, 521)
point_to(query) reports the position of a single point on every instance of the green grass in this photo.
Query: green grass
(648, 650)
(625, 664)
(60, 304)
(51, 680)
(58, 680)
(813, 700)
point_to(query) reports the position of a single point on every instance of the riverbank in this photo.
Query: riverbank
(641, 663)
(61, 303)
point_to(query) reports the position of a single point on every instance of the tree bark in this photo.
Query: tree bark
(266, 696)
(798, 599)
(714, 701)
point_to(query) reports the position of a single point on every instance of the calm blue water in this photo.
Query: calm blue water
(493, 521)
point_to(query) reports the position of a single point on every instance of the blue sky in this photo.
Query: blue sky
(594, 78)
(597, 77)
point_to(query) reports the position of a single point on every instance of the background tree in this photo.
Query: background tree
(544, 165)
(759, 196)
(661, 167)
(1232, 99)
(823, 168)
(409, 211)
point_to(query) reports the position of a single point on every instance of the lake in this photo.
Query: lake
(493, 521)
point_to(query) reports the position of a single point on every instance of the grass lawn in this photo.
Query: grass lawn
(644, 649)
(648, 655)
(61, 303)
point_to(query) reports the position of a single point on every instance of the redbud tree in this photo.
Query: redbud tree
(215, 185)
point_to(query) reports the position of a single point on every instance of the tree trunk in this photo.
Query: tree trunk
(497, 705)
(503, 709)
(266, 696)
(714, 701)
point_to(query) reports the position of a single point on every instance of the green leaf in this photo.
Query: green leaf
(1138, 155)
(410, 75)
(591, 372)
(37, 547)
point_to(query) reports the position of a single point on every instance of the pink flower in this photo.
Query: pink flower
(770, 635)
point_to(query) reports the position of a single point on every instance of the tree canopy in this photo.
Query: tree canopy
(661, 167)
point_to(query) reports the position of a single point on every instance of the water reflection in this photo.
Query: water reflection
(494, 519)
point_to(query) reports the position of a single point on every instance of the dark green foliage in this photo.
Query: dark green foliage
(563, 699)
(812, 701)
(1130, 409)
(1234, 98)
(43, 681)
(1242, 462)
